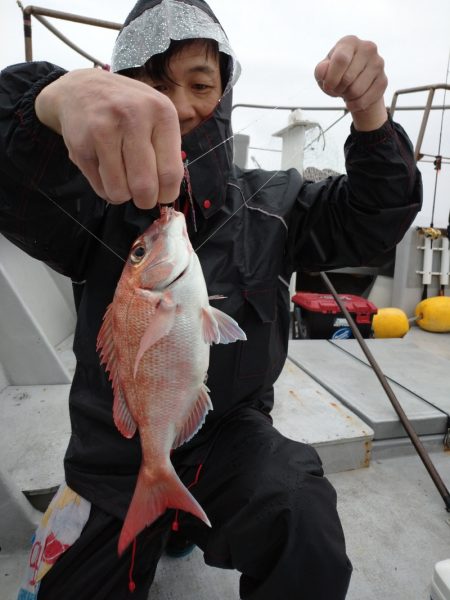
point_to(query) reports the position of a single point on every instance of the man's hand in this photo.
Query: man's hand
(354, 71)
(122, 134)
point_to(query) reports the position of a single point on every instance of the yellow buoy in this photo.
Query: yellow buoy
(390, 323)
(433, 314)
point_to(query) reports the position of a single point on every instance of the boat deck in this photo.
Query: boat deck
(394, 519)
(396, 529)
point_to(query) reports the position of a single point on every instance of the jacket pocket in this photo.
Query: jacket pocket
(260, 311)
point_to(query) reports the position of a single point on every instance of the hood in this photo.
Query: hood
(148, 30)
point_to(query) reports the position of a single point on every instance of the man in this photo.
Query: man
(72, 141)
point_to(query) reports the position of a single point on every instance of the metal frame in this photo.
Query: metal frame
(40, 13)
(429, 106)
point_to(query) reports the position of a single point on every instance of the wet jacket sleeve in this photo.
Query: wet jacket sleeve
(352, 219)
(45, 202)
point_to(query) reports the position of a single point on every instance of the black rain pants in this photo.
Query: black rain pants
(273, 518)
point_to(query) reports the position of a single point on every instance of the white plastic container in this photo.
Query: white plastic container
(440, 583)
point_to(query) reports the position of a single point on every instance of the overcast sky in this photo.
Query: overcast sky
(278, 44)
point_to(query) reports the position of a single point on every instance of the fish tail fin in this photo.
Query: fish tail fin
(154, 493)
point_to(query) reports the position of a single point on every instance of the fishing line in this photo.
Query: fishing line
(246, 200)
(80, 224)
(257, 120)
(323, 131)
(254, 121)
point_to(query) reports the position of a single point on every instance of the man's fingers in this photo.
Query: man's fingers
(152, 157)
(354, 77)
(360, 85)
(122, 134)
(373, 92)
(142, 176)
(321, 70)
(339, 61)
(112, 171)
(354, 71)
(352, 63)
(90, 171)
(87, 161)
(167, 144)
(97, 154)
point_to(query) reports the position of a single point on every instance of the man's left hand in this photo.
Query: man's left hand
(354, 71)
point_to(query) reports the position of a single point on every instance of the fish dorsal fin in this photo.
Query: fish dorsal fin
(195, 419)
(220, 328)
(105, 344)
(160, 325)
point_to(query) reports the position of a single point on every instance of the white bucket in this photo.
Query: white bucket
(440, 583)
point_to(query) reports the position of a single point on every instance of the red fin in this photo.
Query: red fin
(220, 328)
(195, 419)
(105, 345)
(153, 495)
(161, 323)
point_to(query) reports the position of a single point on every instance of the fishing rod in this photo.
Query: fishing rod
(420, 448)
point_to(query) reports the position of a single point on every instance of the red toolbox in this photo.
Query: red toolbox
(317, 316)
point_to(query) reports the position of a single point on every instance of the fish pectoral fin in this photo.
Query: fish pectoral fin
(105, 345)
(210, 327)
(195, 419)
(220, 328)
(160, 325)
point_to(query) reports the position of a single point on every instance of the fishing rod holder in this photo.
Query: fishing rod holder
(431, 249)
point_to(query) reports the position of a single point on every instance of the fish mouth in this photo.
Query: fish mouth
(169, 284)
(178, 277)
(183, 273)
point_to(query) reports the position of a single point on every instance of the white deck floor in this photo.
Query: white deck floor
(395, 521)
(396, 528)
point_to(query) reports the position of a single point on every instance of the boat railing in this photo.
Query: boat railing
(431, 89)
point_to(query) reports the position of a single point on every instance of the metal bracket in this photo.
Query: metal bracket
(447, 439)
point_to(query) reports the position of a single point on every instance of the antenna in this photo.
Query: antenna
(438, 159)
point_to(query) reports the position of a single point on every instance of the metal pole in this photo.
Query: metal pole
(421, 451)
(423, 126)
(27, 32)
(63, 38)
(424, 88)
(57, 14)
(334, 108)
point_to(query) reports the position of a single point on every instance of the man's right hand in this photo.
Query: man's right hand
(122, 134)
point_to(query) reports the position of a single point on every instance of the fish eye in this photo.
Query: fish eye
(137, 254)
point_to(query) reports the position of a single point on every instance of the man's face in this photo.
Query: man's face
(196, 85)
